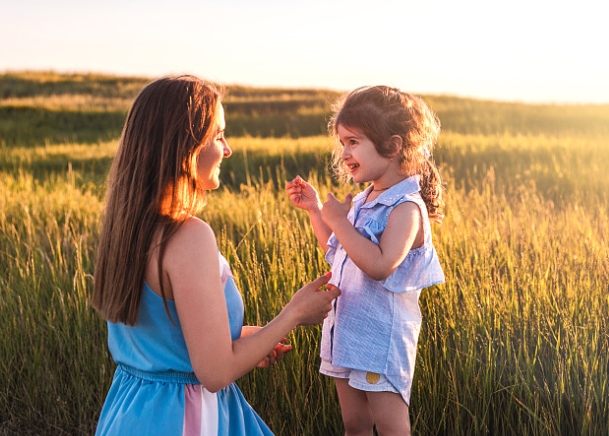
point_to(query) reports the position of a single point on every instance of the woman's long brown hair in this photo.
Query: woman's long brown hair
(152, 187)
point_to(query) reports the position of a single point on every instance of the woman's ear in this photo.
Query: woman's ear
(394, 144)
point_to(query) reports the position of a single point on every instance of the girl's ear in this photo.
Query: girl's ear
(394, 144)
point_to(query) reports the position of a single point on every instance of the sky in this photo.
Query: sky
(534, 51)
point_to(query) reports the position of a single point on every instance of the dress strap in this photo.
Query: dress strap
(186, 378)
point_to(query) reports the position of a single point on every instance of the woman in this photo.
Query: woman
(175, 317)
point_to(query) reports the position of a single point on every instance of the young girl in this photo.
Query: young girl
(175, 317)
(380, 251)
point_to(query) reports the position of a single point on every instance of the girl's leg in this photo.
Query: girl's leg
(354, 408)
(390, 413)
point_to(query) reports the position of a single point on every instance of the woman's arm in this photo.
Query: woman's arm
(403, 232)
(276, 353)
(192, 266)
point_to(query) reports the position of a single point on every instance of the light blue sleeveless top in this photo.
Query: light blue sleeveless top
(375, 325)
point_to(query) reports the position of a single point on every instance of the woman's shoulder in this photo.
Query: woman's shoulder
(194, 226)
(191, 252)
(193, 235)
(187, 247)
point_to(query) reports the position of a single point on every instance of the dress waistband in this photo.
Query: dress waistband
(186, 378)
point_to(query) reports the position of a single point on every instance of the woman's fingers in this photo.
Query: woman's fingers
(276, 355)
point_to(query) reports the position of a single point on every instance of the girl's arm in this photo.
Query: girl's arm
(304, 196)
(192, 267)
(403, 232)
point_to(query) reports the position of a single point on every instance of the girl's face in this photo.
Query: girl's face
(360, 157)
(211, 155)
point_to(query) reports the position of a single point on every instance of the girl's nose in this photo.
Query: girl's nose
(344, 153)
(227, 150)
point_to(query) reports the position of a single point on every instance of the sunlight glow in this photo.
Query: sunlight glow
(533, 51)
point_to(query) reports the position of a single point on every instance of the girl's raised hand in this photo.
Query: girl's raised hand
(334, 211)
(303, 195)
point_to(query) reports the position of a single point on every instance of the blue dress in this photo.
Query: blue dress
(155, 391)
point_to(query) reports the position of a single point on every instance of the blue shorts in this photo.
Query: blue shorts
(362, 380)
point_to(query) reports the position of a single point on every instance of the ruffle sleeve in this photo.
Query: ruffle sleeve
(420, 269)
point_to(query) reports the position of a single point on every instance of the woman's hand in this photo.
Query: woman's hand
(303, 195)
(311, 304)
(277, 354)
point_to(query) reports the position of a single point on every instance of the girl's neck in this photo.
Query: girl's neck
(380, 189)
(387, 181)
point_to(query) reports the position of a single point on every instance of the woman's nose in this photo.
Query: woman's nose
(227, 150)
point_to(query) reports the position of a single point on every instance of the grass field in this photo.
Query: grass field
(516, 342)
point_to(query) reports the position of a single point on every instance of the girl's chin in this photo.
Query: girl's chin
(358, 179)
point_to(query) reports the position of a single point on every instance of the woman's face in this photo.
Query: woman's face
(211, 155)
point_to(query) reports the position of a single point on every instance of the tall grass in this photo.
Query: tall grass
(515, 342)
(52, 366)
